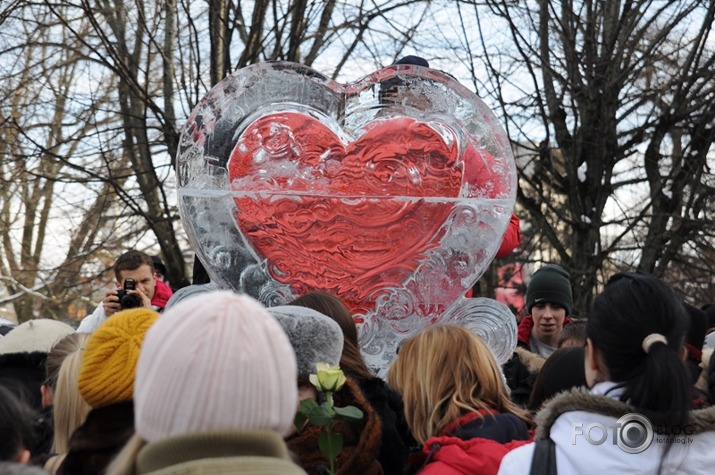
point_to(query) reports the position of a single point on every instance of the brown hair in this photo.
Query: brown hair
(573, 331)
(131, 260)
(63, 348)
(351, 360)
(457, 375)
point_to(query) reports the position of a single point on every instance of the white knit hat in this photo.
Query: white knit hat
(215, 361)
(34, 336)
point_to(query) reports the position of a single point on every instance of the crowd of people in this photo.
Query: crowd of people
(210, 381)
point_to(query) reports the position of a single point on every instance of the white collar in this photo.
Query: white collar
(607, 388)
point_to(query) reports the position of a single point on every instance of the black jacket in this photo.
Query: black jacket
(396, 436)
(96, 442)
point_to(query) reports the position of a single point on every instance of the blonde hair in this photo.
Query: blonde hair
(125, 461)
(443, 373)
(69, 409)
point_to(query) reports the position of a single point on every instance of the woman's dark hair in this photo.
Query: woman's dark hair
(16, 426)
(351, 360)
(562, 371)
(631, 307)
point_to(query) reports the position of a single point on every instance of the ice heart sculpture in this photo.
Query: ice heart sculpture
(392, 193)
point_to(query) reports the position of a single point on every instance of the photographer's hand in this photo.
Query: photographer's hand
(111, 303)
(146, 301)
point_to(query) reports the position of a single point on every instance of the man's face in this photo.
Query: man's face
(548, 320)
(143, 276)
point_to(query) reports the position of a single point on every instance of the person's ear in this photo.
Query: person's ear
(47, 395)
(588, 354)
(593, 365)
(23, 456)
(683, 353)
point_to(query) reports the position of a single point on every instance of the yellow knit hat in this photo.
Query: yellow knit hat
(110, 357)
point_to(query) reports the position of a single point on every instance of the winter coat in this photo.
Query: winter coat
(249, 452)
(361, 439)
(162, 294)
(570, 414)
(521, 370)
(98, 440)
(474, 445)
(396, 437)
(511, 238)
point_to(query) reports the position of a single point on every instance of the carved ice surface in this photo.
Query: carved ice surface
(392, 193)
(491, 320)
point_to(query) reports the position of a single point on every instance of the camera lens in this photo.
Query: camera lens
(130, 301)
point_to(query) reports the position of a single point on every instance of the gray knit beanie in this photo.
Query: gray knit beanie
(189, 291)
(550, 284)
(315, 337)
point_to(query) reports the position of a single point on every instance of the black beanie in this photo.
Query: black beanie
(550, 284)
(414, 60)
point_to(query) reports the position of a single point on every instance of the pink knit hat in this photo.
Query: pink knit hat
(215, 361)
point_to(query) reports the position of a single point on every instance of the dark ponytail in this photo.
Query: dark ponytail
(632, 307)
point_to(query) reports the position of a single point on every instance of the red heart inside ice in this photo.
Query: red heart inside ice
(351, 218)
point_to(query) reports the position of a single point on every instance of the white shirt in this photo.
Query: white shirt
(540, 348)
(91, 322)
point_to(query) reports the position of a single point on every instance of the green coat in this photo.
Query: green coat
(254, 452)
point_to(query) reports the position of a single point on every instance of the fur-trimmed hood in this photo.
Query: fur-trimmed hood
(532, 361)
(575, 421)
(580, 399)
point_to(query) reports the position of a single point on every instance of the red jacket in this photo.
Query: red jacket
(511, 238)
(162, 292)
(468, 457)
(452, 455)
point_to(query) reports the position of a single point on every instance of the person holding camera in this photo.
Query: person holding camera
(136, 286)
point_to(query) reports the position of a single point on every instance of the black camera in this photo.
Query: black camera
(125, 299)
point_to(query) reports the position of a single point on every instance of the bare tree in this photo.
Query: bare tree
(119, 77)
(612, 106)
(44, 127)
